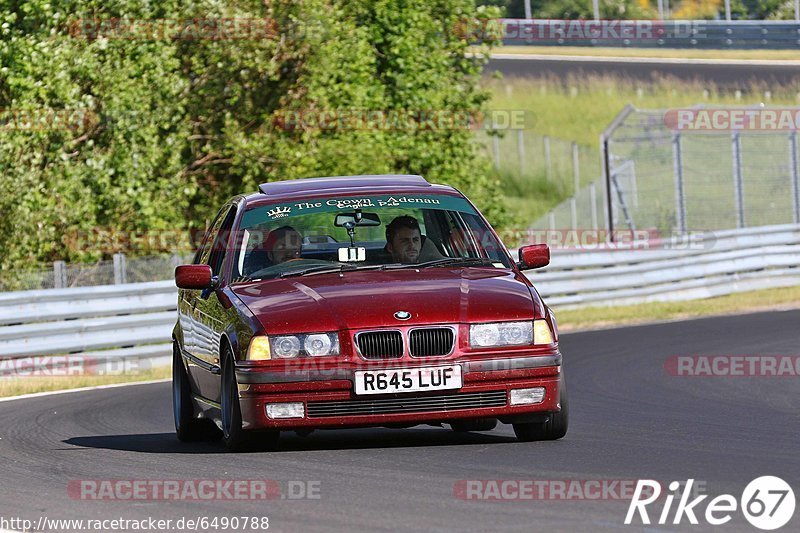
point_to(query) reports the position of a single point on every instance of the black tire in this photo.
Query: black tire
(235, 438)
(554, 429)
(188, 428)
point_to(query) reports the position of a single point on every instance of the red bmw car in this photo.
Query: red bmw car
(361, 301)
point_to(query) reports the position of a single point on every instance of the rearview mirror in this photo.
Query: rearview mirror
(357, 219)
(534, 256)
(193, 277)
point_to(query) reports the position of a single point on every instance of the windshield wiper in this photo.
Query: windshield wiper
(319, 269)
(447, 261)
(325, 269)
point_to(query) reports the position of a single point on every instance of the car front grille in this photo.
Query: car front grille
(431, 342)
(380, 344)
(379, 406)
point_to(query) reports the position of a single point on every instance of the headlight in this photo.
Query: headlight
(259, 349)
(321, 344)
(500, 334)
(286, 346)
(542, 333)
(510, 334)
(314, 345)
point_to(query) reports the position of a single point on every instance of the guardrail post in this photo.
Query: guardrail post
(59, 274)
(573, 210)
(794, 176)
(547, 161)
(521, 150)
(736, 147)
(604, 150)
(576, 169)
(680, 197)
(120, 270)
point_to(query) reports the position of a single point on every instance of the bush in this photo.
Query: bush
(166, 129)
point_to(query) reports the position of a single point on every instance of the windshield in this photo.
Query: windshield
(362, 233)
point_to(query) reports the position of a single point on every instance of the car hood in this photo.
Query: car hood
(358, 300)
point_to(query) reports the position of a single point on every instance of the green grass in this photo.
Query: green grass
(643, 52)
(28, 385)
(528, 196)
(744, 302)
(580, 108)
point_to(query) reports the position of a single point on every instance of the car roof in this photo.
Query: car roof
(339, 185)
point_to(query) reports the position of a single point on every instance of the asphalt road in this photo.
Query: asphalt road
(730, 75)
(629, 419)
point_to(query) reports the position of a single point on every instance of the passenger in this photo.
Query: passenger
(404, 239)
(283, 244)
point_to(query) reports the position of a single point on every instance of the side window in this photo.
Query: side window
(488, 245)
(201, 257)
(457, 239)
(217, 256)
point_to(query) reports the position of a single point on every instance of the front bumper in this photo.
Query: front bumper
(329, 400)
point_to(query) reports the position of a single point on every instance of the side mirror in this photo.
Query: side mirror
(193, 277)
(534, 256)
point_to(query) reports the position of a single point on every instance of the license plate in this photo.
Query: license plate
(394, 380)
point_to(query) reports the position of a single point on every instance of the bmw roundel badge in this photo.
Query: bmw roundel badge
(402, 315)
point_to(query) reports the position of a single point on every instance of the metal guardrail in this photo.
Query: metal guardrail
(719, 263)
(134, 321)
(101, 325)
(699, 34)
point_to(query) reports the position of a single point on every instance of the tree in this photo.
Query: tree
(172, 123)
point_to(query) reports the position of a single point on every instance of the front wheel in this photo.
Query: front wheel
(554, 429)
(235, 438)
(188, 428)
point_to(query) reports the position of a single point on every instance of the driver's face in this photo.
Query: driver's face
(405, 246)
(286, 247)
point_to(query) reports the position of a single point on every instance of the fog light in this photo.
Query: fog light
(527, 396)
(286, 410)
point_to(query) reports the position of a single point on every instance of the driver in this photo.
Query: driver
(404, 239)
(283, 244)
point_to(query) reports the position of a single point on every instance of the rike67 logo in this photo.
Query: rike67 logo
(767, 502)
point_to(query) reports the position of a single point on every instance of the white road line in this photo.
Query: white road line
(651, 60)
(82, 389)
